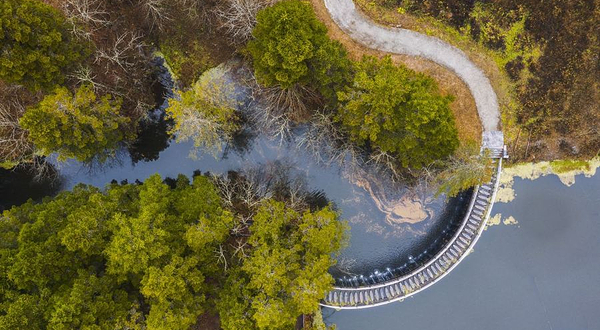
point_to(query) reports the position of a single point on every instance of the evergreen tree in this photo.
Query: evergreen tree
(90, 258)
(81, 126)
(35, 46)
(143, 256)
(291, 47)
(285, 275)
(398, 111)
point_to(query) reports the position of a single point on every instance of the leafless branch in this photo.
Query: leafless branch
(238, 17)
(221, 258)
(117, 53)
(240, 249)
(156, 13)
(85, 16)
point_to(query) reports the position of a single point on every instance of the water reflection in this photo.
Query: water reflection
(376, 243)
(394, 229)
(24, 183)
(153, 136)
(541, 274)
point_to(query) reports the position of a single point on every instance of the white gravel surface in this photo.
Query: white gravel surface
(402, 41)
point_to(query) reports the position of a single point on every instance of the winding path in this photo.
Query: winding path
(402, 41)
(359, 293)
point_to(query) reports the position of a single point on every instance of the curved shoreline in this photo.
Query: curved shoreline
(407, 42)
(459, 247)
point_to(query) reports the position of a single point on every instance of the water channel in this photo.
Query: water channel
(393, 228)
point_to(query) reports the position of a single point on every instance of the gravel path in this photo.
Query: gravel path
(402, 41)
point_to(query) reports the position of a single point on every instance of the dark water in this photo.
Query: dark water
(375, 243)
(543, 273)
(368, 249)
(19, 185)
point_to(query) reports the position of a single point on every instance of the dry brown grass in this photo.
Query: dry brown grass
(463, 107)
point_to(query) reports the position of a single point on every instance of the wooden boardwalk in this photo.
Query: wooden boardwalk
(441, 264)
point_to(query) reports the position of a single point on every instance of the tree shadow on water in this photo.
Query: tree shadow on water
(26, 182)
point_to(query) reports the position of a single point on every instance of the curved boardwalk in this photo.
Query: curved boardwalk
(435, 269)
(402, 41)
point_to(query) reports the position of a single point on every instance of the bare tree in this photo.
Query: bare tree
(328, 144)
(16, 150)
(84, 75)
(14, 144)
(156, 12)
(221, 258)
(200, 10)
(467, 168)
(277, 110)
(118, 52)
(85, 16)
(238, 17)
(387, 162)
(240, 249)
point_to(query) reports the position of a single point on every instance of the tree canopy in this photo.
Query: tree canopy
(398, 111)
(80, 125)
(285, 275)
(35, 45)
(90, 258)
(291, 46)
(157, 255)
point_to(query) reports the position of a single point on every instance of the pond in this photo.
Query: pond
(541, 273)
(393, 228)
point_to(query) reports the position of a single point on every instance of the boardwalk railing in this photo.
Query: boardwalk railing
(441, 264)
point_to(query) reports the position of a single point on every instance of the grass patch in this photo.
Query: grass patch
(568, 165)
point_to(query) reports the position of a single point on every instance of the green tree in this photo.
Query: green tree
(81, 126)
(332, 69)
(175, 292)
(35, 46)
(398, 111)
(292, 47)
(150, 256)
(286, 274)
(206, 113)
(91, 302)
(111, 259)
